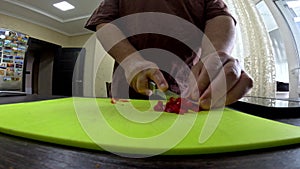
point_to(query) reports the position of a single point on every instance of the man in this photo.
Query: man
(146, 38)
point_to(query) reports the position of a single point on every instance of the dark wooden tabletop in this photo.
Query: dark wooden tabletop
(20, 153)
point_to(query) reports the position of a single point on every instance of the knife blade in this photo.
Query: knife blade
(166, 94)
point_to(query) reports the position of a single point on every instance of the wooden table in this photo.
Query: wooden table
(20, 153)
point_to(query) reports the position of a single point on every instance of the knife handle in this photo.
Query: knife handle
(152, 85)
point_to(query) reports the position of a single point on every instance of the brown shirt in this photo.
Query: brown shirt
(171, 34)
(195, 11)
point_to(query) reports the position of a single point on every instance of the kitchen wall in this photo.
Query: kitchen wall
(94, 79)
(98, 69)
(104, 69)
(42, 33)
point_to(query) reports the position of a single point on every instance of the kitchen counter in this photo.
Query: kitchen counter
(16, 152)
(271, 108)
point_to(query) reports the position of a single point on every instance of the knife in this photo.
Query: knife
(166, 94)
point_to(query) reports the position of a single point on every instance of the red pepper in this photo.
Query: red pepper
(113, 101)
(159, 106)
(176, 105)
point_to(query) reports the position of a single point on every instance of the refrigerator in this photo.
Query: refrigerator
(13, 46)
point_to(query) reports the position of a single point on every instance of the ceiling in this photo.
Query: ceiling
(42, 12)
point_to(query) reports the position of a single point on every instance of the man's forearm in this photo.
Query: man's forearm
(220, 35)
(115, 42)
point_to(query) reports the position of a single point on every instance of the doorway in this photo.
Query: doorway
(68, 72)
(53, 70)
(39, 66)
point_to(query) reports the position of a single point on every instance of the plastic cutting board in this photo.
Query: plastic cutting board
(147, 131)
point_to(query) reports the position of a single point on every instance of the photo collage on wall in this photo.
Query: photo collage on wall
(13, 46)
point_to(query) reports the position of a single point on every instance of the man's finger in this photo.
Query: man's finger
(142, 85)
(225, 81)
(242, 87)
(158, 78)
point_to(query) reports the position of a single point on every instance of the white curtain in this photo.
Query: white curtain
(253, 47)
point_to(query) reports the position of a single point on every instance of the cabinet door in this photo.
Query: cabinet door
(68, 72)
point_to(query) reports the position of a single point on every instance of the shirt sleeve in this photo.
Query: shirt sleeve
(216, 8)
(107, 11)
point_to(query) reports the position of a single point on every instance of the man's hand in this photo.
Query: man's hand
(139, 72)
(220, 81)
(140, 83)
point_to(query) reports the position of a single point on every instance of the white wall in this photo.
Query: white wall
(98, 69)
(104, 70)
(98, 65)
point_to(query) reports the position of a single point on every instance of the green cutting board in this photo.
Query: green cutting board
(134, 128)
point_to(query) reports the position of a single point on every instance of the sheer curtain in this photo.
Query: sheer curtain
(253, 47)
